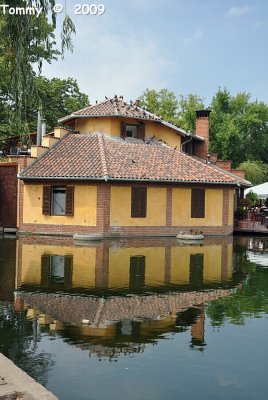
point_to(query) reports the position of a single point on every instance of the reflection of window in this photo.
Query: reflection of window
(58, 200)
(196, 269)
(198, 203)
(137, 272)
(132, 130)
(138, 202)
(56, 270)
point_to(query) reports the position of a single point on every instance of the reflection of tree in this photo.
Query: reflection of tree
(250, 301)
(19, 342)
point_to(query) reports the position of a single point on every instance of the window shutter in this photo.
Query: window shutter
(45, 270)
(46, 207)
(138, 202)
(123, 130)
(141, 131)
(69, 201)
(68, 270)
(198, 203)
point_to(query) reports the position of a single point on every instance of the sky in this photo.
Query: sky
(186, 46)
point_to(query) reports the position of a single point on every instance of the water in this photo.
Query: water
(137, 319)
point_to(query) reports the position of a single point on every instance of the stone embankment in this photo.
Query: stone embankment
(17, 385)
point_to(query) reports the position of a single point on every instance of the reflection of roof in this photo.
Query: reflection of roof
(101, 312)
(103, 157)
(116, 107)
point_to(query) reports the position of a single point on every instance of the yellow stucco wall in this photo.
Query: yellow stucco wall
(85, 201)
(89, 125)
(231, 207)
(181, 208)
(83, 263)
(112, 127)
(120, 212)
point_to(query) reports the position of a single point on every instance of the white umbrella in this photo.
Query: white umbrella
(260, 190)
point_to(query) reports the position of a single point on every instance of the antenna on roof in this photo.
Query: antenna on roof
(39, 125)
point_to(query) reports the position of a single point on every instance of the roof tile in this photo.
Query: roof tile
(101, 156)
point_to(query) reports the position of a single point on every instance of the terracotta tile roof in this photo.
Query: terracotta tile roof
(101, 156)
(241, 181)
(117, 107)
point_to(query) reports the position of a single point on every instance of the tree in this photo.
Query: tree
(188, 106)
(162, 103)
(59, 97)
(238, 128)
(26, 40)
(255, 171)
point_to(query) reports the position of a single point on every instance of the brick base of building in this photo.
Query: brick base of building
(120, 231)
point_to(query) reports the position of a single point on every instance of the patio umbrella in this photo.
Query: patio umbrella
(260, 190)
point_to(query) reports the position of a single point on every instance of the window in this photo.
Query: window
(58, 200)
(198, 203)
(132, 130)
(58, 203)
(138, 202)
(56, 270)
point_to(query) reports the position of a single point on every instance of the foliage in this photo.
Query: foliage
(252, 198)
(59, 97)
(26, 40)
(238, 128)
(255, 171)
(162, 103)
(188, 106)
(240, 213)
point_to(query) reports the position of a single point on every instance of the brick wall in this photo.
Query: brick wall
(8, 195)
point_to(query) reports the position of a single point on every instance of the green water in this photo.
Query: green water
(164, 320)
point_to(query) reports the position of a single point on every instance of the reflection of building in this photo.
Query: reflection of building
(129, 266)
(7, 268)
(163, 281)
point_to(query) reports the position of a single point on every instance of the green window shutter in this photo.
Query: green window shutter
(123, 130)
(138, 202)
(69, 201)
(198, 203)
(46, 207)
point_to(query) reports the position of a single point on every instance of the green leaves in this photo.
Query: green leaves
(25, 41)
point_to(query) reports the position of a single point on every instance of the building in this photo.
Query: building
(117, 170)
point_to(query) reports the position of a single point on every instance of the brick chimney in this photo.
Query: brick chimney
(202, 129)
